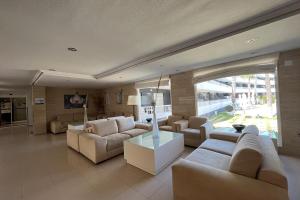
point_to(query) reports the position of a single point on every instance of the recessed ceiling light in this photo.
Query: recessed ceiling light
(72, 49)
(251, 41)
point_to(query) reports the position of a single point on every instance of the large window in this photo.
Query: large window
(163, 103)
(245, 99)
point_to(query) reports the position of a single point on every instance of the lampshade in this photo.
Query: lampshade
(132, 100)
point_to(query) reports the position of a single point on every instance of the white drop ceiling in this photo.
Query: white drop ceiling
(35, 35)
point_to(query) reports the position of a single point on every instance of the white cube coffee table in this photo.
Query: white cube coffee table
(153, 154)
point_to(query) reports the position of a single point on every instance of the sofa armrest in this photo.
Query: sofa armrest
(206, 128)
(162, 122)
(193, 181)
(231, 137)
(93, 146)
(143, 126)
(181, 124)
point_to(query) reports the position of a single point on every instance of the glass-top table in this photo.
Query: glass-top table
(153, 154)
(146, 140)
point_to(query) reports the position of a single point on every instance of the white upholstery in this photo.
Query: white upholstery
(220, 146)
(115, 141)
(247, 156)
(125, 124)
(211, 158)
(134, 132)
(104, 128)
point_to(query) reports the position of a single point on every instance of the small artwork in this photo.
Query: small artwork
(119, 97)
(74, 101)
(39, 101)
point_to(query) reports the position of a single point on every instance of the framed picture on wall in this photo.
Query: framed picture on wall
(74, 101)
(119, 97)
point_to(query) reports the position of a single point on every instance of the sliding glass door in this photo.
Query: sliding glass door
(13, 110)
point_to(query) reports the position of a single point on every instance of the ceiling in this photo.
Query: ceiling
(35, 35)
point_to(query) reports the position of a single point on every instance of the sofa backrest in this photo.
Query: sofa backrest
(172, 119)
(116, 117)
(104, 127)
(250, 129)
(125, 124)
(247, 156)
(195, 122)
(271, 170)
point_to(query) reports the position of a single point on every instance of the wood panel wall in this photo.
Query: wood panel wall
(183, 94)
(55, 102)
(39, 111)
(289, 100)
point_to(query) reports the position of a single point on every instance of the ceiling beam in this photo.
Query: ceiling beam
(289, 9)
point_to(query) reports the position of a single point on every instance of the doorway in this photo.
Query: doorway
(13, 111)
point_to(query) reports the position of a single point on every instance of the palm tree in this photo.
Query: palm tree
(255, 89)
(268, 90)
(233, 88)
(249, 76)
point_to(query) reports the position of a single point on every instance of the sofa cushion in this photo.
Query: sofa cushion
(196, 122)
(90, 125)
(115, 141)
(115, 118)
(271, 170)
(172, 119)
(247, 156)
(135, 132)
(220, 146)
(211, 158)
(231, 137)
(125, 124)
(105, 127)
(65, 117)
(166, 128)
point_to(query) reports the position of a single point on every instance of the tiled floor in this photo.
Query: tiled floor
(42, 168)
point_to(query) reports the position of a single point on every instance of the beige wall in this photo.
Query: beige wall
(55, 101)
(289, 100)
(183, 94)
(112, 108)
(39, 111)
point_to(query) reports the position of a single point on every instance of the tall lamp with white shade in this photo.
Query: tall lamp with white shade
(133, 101)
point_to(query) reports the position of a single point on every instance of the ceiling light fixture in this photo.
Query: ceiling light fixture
(251, 41)
(72, 49)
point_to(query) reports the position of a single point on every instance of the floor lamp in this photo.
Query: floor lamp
(132, 101)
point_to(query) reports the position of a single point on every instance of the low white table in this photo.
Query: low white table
(153, 154)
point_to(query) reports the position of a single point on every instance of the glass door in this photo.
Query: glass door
(5, 111)
(13, 111)
(19, 110)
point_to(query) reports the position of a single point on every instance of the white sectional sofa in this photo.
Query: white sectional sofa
(104, 138)
(229, 167)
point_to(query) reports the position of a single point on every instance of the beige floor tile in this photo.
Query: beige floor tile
(44, 168)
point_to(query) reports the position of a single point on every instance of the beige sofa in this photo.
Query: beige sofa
(168, 124)
(104, 138)
(195, 130)
(247, 169)
(60, 124)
